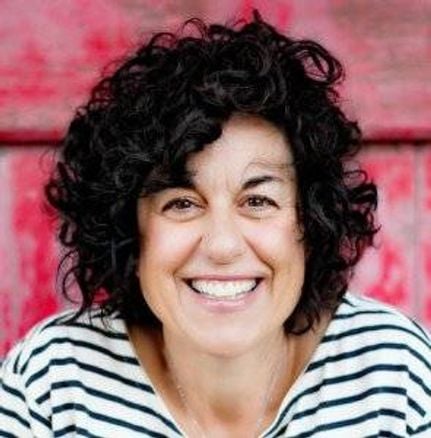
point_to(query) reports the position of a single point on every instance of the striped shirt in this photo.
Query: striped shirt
(369, 377)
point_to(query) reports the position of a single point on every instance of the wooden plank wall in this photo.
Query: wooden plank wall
(52, 51)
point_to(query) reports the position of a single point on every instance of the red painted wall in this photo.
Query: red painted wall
(51, 53)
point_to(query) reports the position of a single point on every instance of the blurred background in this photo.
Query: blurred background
(53, 51)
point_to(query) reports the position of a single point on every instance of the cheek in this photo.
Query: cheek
(164, 248)
(279, 243)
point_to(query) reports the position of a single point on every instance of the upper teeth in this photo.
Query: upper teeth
(223, 288)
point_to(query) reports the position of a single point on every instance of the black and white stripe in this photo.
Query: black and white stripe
(369, 377)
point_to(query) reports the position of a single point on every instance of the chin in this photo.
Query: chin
(228, 342)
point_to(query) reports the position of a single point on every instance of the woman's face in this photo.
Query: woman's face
(221, 264)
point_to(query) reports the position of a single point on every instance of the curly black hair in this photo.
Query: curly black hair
(169, 100)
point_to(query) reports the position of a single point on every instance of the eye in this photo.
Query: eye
(179, 205)
(258, 202)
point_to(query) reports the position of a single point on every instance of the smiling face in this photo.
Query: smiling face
(221, 263)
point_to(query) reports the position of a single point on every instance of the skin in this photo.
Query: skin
(225, 227)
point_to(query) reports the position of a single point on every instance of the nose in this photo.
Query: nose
(223, 241)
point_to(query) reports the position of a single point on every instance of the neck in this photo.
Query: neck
(222, 390)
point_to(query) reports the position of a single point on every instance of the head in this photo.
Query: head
(189, 117)
(232, 229)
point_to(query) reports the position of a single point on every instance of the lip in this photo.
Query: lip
(224, 277)
(223, 306)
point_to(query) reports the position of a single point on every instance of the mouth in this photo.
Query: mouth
(223, 289)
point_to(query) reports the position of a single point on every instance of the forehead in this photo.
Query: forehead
(247, 144)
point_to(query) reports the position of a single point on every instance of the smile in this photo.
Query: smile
(226, 289)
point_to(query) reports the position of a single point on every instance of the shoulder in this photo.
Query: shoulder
(55, 337)
(375, 329)
(49, 354)
(388, 351)
(63, 368)
(362, 315)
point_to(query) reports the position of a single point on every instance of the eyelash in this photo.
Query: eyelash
(264, 199)
(174, 202)
(177, 201)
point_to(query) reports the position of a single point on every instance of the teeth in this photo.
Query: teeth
(225, 289)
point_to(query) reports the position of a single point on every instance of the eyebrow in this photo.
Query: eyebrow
(248, 184)
(188, 180)
(257, 180)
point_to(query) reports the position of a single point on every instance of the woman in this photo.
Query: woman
(213, 221)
